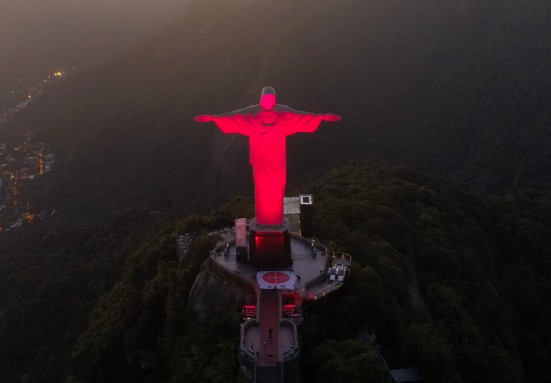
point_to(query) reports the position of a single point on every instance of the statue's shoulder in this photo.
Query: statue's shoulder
(278, 108)
(252, 110)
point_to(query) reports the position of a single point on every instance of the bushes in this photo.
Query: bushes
(472, 256)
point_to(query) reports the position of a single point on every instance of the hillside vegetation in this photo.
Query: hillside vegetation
(50, 280)
(456, 94)
(481, 267)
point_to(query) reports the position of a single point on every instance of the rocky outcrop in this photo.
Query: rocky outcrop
(214, 290)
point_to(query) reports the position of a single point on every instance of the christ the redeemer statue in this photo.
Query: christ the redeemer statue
(267, 125)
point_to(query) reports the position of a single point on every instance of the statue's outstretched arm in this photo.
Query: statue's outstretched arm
(203, 118)
(330, 117)
(232, 122)
(251, 110)
(298, 121)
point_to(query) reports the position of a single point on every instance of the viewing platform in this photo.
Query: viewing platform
(317, 271)
(271, 339)
(269, 345)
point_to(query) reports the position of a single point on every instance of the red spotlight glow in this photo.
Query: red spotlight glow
(267, 125)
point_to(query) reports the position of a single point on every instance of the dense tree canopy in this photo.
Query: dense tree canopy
(451, 281)
(479, 265)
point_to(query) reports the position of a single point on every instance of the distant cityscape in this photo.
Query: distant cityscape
(23, 163)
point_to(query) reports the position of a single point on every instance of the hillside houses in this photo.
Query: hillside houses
(20, 166)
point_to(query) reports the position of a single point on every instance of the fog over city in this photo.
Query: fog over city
(40, 36)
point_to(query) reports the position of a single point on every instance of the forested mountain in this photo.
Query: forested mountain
(481, 266)
(459, 87)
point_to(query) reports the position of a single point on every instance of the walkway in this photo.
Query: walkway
(269, 313)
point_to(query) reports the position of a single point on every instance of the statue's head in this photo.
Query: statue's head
(268, 98)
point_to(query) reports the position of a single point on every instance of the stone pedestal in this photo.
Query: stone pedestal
(269, 246)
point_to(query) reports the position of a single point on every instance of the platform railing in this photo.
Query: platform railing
(246, 351)
(225, 272)
(344, 256)
(293, 351)
(320, 294)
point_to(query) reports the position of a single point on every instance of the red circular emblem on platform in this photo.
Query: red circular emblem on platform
(275, 277)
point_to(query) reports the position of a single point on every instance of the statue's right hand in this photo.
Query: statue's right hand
(332, 117)
(203, 118)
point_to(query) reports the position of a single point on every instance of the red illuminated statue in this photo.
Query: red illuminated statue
(267, 125)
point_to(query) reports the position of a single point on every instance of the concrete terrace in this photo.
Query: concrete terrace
(269, 341)
(274, 350)
(309, 266)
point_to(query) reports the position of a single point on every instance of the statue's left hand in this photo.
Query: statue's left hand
(203, 118)
(331, 117)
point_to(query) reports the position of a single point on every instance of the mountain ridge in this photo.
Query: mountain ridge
(481, 267)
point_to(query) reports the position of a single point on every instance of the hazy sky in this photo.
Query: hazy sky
(44, 34)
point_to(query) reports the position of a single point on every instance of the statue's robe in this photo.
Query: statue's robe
(267, 131)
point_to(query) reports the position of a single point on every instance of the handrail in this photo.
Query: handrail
(317, 244)
(310, 295)
(246, 351)
(221, 245)
(340, 255)
(225, 272)
(294, 351)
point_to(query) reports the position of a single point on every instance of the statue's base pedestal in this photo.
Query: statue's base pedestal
(269, 246)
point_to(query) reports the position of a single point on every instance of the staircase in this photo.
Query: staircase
(268, 374)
